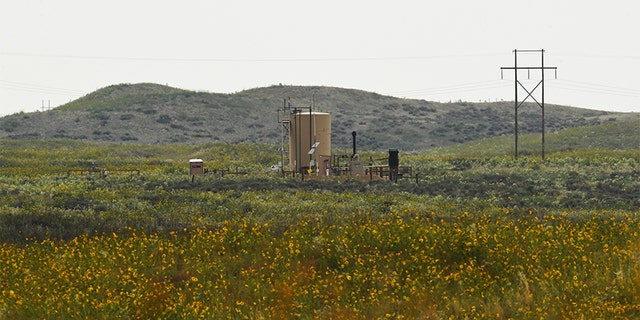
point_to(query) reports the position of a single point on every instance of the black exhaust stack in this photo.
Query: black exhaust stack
(394, 163)
(354, 143)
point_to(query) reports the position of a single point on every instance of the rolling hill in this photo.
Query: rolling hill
(149, 113)
(612, 135)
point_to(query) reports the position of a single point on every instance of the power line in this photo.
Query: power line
(595, 88)
(560, 84)
(597, 56)
(316, 59)
(35, 88)
(461, 88)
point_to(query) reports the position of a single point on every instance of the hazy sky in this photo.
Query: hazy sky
(57, 51)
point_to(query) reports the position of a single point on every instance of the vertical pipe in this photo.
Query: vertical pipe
(299, 138)
(296, 141)
(315, 140)
(281, 124)
(353, 134)
(542, 61)
(310, 135)
(515, 64)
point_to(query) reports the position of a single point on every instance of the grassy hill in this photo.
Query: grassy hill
(155, 114)
(615, 135)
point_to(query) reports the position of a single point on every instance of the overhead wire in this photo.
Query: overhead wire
(561, 84)
(586, 87)
(36, 88)
(597, 56)
(441, 90)
(174, 59)
(460, 88)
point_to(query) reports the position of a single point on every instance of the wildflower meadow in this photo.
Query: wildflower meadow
(489, 238)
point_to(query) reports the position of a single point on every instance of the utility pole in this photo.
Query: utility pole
(519, 85)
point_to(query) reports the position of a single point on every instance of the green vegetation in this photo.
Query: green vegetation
(614, 135)
(474, 236)
(122, 97)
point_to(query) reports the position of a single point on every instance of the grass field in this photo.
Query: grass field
(472, 237)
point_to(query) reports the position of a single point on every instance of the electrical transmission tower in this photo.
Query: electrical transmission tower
(519, 85)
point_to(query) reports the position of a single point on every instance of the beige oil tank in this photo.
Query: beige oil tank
(310, 142)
